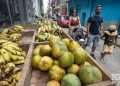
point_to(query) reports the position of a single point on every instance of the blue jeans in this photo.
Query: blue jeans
(94, 39)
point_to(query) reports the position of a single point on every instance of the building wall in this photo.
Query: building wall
(110, 9)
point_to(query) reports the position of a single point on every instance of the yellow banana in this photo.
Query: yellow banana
(5, 30)
(5, 55)
(19, 26)
(19, 62)
(10, 49)
(9, 43)
(14, 57)
(15, 47)
(2, 61)
(21, 58)
(3, 41)
(17, 76)
(4, 83)
(9, 67)
(23, 53)
(18, 53)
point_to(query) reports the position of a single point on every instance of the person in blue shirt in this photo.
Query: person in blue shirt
(94, 29)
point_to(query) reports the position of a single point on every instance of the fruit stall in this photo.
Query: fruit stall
(47, 56)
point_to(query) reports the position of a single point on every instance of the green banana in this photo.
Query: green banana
(5, 55)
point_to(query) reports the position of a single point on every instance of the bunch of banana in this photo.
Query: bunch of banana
(9, 74)
(16, 29)
(5, 31)
(13, 29)
(15, 37)
(4, 36)
(45, 36)
(11, 52)
(48, 26)
(42, 37)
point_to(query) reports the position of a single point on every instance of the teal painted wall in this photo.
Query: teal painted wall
(110, 9)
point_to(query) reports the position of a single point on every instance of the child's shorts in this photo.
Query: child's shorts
(108, 48)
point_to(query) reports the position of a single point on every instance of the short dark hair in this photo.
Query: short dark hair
(72, 10)
(98, 7)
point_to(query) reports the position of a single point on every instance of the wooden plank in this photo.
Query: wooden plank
(26, 75)
(27, 37)
(67, 35)
(104, 83)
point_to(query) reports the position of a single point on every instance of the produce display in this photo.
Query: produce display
(11, 55)
(9, 74)
(11, 52)
(13, 33)
(46, 29)
(65, 62)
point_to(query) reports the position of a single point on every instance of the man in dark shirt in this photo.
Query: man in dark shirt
(94, 28)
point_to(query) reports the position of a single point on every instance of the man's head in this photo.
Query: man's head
(98, 10)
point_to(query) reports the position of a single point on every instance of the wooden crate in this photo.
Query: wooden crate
(25, 47)
(33, 77)
(27, 37)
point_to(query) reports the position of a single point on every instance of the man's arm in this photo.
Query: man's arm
(88, 27)
(70, 22)
(101, 27)
(79, 22)
(89, 24)
(114, 33)
(111, 34)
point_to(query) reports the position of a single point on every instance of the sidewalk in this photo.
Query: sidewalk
(118, 42)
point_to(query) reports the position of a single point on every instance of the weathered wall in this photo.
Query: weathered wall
(110, 9)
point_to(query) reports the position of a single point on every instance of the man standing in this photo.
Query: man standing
(94, 29)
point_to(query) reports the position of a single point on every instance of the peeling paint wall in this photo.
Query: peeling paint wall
(110, 9)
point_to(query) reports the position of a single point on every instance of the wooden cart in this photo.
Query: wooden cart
(33, 77)
(30, 77)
